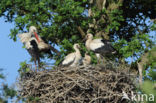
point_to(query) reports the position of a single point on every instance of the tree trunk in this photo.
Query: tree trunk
(140, 68)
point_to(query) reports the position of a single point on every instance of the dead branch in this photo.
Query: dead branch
(81, 31)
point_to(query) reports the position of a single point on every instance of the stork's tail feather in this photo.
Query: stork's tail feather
(54, 50)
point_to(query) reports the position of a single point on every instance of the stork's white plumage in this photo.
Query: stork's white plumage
(25, 37)
(86, 60)
(99, 46)
(73, 59)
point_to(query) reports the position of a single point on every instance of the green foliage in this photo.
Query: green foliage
(152, 58)
(148, 88)
(24, 68)
(115, 19)
(94, 59)
(6, 91)
(138, 44)
(152, 74)
(9, 91)
(1, 75)
(33, 99)
(2, 99)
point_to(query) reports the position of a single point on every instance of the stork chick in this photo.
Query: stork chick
(87, 60)
(73, 59)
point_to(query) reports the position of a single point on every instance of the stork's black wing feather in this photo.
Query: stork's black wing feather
(34, 45)
(106, 49)
(34, 51)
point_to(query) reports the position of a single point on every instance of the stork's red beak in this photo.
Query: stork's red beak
(36, 35)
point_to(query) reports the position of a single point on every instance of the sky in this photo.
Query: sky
(11, 53)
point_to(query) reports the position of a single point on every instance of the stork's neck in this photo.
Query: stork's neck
(88, 43)
(77, 51)
(30, 33)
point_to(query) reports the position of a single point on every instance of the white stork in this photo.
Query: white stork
(31, 43)
(73, 59)
(41, 44)
(34, 44)
(99, 46)
(86, 60)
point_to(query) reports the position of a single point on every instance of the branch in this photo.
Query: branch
(54, 50)
(81, 31)
(104, 3)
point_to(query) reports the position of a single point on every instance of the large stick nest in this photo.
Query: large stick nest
(91, 84)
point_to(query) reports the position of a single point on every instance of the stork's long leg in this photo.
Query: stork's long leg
(35, 64)
(32, 53)
(38, 59)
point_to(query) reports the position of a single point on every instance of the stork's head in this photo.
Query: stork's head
(89, 36)
(76, 46)
(33, 31)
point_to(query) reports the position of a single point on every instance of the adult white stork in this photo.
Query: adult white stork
(86, 60)
(42, 46)
(99, 46)
(34, 44)
(73, 59)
